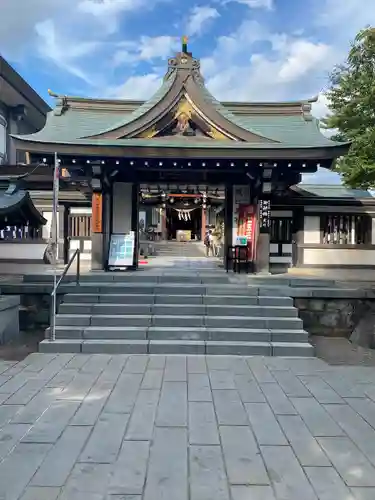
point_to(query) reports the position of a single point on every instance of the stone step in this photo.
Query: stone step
(131, 320)
(178, 347)
(132, 278)
(118, 298)
(178, 333)
(179, 310)
(290, 281)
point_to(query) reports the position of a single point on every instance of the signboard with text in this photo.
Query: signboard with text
(97, 212)
(246, 226)
(121, 250)
(264, 216)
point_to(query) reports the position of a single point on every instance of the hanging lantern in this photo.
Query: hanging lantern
(171, 200)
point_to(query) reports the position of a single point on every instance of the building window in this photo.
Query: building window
(281, 230)
(346, 229)
(80, 226)
(3, 140)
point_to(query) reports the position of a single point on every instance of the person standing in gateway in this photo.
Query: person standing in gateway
(208, 243)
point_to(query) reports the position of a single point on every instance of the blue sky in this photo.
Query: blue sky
(259, 50)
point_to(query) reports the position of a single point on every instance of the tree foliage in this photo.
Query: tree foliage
(352, 105)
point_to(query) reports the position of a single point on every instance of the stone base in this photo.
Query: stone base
(9, 318)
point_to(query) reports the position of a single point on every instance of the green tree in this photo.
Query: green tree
(352, 106)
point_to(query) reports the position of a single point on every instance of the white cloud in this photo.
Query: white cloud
(136, 87)
(303, 56)
(252, 4)
(198, 18)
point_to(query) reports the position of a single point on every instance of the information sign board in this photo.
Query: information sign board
(121, 250)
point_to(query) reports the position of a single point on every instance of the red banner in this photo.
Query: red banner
(246, 226)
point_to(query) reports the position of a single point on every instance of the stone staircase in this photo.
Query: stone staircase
(171, 314)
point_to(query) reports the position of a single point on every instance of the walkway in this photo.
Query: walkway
(100, 427)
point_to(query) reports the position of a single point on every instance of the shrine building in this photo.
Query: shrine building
(182, 163)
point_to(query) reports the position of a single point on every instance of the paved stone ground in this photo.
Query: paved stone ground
(122, 427)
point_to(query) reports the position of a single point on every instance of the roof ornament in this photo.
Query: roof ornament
(184, 41)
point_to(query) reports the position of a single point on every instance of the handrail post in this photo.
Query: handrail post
(52, 331)
(78, 266)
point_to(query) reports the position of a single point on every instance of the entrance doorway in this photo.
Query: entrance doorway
(184, 224)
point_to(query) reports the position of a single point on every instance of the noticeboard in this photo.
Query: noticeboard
(121, 250)
(264, 216)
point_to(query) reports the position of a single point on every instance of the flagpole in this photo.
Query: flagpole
(54, 238)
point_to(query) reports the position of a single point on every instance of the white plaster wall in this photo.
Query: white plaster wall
(122, 207)
(20, 251)
(311, 231)
(338, 256)
(81, 211)
(373, 231)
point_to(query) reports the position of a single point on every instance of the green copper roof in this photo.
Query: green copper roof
(76, 120)
(334, 191)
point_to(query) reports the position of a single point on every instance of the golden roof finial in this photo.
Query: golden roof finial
(184, 44)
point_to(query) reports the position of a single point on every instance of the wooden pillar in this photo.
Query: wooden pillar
(204, 222)
(134, 223)
(228, 219)
(262, 264)
(97, 257)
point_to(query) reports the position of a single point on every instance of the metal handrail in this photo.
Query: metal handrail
(52, 330)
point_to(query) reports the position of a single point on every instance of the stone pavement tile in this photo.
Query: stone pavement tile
(96, 364)
(221, 379)
(62, 378)
(52, 368)
(36, 361)
(105, 441)
(172, 411)
(304, 445)
(167, 476)
(129, 472)
(123, 497)
(51, 424)
(91, 407)
(242, 457)
(291, 384)
(319, 422)
(249, 389)
(5, 365)
(196, 364)
(37, 493)
(240, 367)
(260, 371)
(252, 493)
(19, 467)
(365, 408)
(207, 474)
(321, 391)
(4, 397)
(152, 379)
(7, 413)
(310, 366)
(363, 493)
(156, 362)
(264, 424)
(286, 474)
(59, 462)
(114, 367)
(26, 393)
(86, 479)
(10, 435)
(327, 484)
(124, 394)
(276, 364)
(78, 361)
(199, 387)
(79, 387)
(30, 413)
(175, 369)
(277, 399)
(229, 408)
(3, 380)
(359, 431)
(15, 383)
(349, 462)
(136, 363)
(343, 386)
(219, 362)
(142, 419)
(202, 423)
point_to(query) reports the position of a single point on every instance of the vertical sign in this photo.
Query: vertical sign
(264, 216)
(97, 213)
